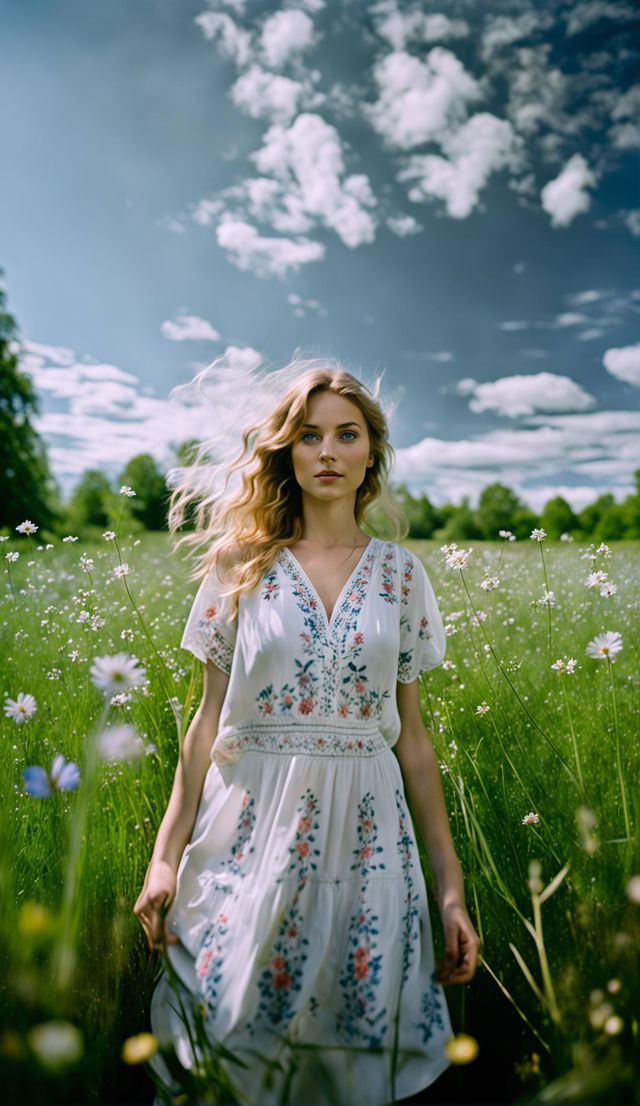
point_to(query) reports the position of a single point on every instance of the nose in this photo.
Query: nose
(326, 453)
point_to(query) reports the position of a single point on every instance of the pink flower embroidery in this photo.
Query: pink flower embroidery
(304, 825)
(305, 706)
(282, 981)
(210, 612)
(302, 848)
(278, 963)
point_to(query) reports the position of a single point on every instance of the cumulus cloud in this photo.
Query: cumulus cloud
(539, 93)
(480, 147)
(590, 295)
(503, 30)
(624, 363)
(418, 100)
(261, 94)
(284, 34)
(399, 28)
(566, 196)
(582, 15)
(107, 419)
(189, 328)
(600, 444)
(301, 306)
(307, 159)
(632, 221)
(261, 254)
(524, 395)
(402, 225)
(232, 41)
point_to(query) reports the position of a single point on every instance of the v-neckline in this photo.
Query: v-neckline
(312, 588)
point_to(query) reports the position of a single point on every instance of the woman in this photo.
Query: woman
(298, 917)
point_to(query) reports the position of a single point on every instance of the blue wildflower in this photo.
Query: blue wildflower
(64, 776)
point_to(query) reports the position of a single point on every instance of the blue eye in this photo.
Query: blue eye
(307, 434)
(351, 432)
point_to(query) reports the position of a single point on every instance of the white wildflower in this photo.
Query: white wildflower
(120, 699)
(595, 579)
(126, 490)
(482, 708)
(86, 563)
(548, 599)
(566, 537)
(73, 655)
(566, 665)
(507, 535)
(608, 589)
(11, 557)
(603, 550)
(109, 535)
(590, 553)
(4, 537)
(121, 570)
(605, 645)
(97, 622)
(127, 635)
(490, 583)
(456, 559)
(21, 709)
(448, 665)
(69, 538)
(26, 527)
(120, 743)
(116, 673)
(54, 674)
(531, 819)
(538, 535)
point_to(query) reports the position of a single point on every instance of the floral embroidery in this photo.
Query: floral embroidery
(355, 697)
(431, 1010)
(212, 641)
(318, 740)
(301, 696)
(282, 979)
(412, 898)
(210, 958)
(270, 585)
(358, 1019)
(388, 592)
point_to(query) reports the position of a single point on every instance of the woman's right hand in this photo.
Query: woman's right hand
(155, 898)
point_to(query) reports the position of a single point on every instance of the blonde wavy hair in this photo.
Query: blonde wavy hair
(242, 531)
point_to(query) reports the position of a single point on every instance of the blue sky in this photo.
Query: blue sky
(447, 192)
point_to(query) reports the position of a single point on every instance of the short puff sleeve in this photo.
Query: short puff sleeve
(208, 634)
(422, 638)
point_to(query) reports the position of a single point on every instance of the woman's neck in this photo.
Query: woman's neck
(330, 524)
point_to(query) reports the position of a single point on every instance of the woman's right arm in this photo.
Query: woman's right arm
(177, 825)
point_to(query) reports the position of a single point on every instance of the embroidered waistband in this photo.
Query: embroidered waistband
(320, 739)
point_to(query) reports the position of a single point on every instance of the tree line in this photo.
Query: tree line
(28, 487)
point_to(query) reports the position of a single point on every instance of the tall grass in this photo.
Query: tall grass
(553, 896)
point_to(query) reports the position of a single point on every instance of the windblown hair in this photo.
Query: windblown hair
(241, 531)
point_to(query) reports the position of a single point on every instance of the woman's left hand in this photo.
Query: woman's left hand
(462, 946)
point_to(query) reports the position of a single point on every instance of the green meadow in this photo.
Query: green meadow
(537, 742)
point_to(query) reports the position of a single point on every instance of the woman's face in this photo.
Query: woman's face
(334, 440)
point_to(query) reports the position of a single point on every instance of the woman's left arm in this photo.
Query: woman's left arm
(423, 787)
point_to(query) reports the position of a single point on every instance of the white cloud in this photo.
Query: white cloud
(232, 41)
(262, 94)
(590, 295)
(503, 30)
(107, 419)
(402, 225)
(582, 15)
(189, 328)
(569, 318)
(632, 221)
(481, 146)
(284, 34)
(539, 93)
(624, 363)
(307, 158)
(514, 324)
(524, 395)
(420, 101)
(600, 444)
(400, 28)
(565, 197)
(301, 306)
(260, 254)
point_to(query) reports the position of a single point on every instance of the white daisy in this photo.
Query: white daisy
(109, 535)
(11, 557)
(605, 645)
(531, 819)
(126, 490)
(456, 559)
(482, 708)
(21, 709)
(120, 743)
(538, 535)
(26, 527)
(116, 673)
(121, 570)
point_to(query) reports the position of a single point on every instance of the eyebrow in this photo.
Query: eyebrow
(340, 426)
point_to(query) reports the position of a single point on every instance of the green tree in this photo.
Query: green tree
(460, 523)
(558, 518)
(149, 506)
(28, 488)
(611, 525)
(422, 516)
(91, 503)
(590, 516)
(523, 522)
(631, 509)
(496, 509)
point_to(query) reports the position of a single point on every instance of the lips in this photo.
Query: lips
(328, 472)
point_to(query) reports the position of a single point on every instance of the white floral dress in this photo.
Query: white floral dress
(301, 907)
